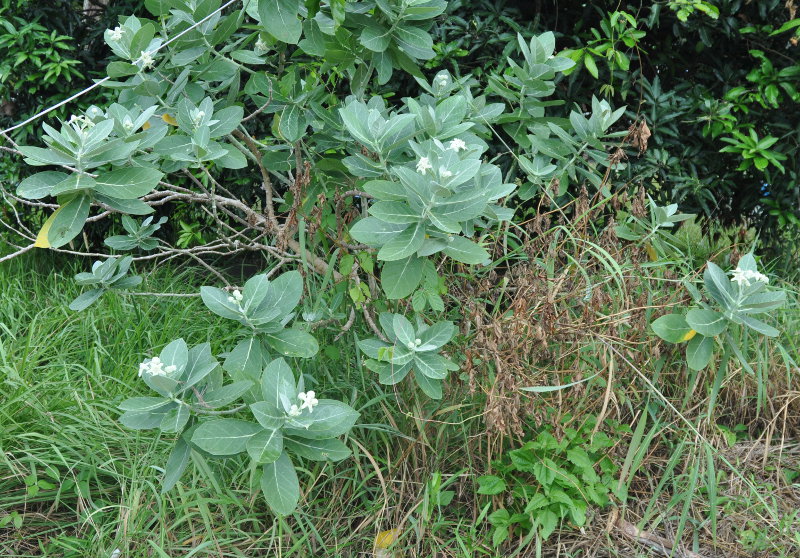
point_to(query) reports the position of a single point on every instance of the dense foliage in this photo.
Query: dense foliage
(715, 82)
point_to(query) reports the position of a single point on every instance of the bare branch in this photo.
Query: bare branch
(17, 253)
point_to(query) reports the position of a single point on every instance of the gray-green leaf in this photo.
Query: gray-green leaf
(318, 450)
(266, 446)
(280, 485)
(279, 18)
(128, 183)
(699, 352)
(293, 342)
(706, 322)
(399, 278)
(466, 251)
(224, 436)
(40, 184)
(331, 419)
(176, 464)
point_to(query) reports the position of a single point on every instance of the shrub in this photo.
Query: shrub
(383, 200)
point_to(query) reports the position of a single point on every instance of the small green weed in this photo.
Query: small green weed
(548, 481)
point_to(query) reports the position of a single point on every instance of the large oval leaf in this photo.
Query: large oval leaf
(331, 419)
(266, 446)
(128, 183)
(64, 224)
(224, 436)
(399, 278)
(280, 485)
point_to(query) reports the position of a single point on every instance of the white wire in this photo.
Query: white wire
(105, 79)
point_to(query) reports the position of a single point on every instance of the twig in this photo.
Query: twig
(272, 222)
(371, 322)
(660, 544)
(320, 265)
(348, 324)
(17, 253)
(261, 108)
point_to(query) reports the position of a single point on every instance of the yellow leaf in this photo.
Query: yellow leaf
(691, 333)
(146, 126)
(651, 252)
(41, 239)
(169, 119)
(384, 539)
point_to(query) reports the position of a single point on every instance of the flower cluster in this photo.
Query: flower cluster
(80, 123)
(424, 163)
(457, 145)
(198, 116)
(415, 344)
(147, 60)
(154, 367)
(236, 297)
(116, 33)
(742, 277)
(309, 400)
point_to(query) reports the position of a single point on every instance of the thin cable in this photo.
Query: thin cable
(105, 79)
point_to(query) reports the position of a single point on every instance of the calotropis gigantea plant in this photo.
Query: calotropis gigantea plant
(556, 151)
(276, 415)
(432, 203)
(728, 304)
(298, 93)
(410, 349)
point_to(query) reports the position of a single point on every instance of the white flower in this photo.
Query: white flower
(445, 173)
(155, 367)
(80, 123)
(236, 297)
(127, 123)
(423, 165)
(738, 276)
(417, 342)
(309, 399)
(457, 145)
(116, 33)
(410, 345)
(742, 277)
(146, 59)
(198, 118)
(261, 45)
(442, 80)
(294, 411)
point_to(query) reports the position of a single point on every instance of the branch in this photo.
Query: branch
(17, 253)
(272, 222)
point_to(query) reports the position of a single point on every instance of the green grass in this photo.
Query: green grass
(74, 482)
